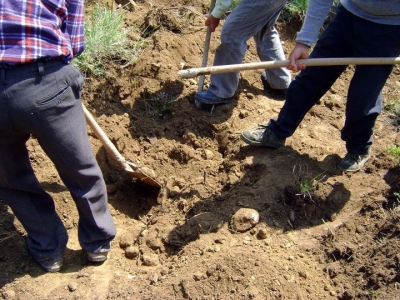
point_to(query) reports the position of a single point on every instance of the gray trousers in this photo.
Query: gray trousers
(251, 18)
(43, 100)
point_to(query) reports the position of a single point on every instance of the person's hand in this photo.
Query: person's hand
(298, 52)
(212, 21)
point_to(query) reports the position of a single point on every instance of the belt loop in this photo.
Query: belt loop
(3, 76)
(40, 68)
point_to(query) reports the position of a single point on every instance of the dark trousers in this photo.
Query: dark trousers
(346, 36)
(43, 100)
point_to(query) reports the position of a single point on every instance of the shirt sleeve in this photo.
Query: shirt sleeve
(220, 8)
(75, 26)
(317, 12)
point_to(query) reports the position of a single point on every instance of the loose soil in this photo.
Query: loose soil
(339, 240)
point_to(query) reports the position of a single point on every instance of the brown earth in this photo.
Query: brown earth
(338, 241)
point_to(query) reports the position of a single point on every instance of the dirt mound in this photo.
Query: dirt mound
(337, 240)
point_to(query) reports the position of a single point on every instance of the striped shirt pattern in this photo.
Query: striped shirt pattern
(32, 30)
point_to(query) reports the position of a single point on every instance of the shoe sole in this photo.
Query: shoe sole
(221, 101)
(51, 268)
(259, 144)
(97, 259)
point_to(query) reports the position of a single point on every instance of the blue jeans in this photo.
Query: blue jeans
(43, 100)
(346, 36)
(250, 19)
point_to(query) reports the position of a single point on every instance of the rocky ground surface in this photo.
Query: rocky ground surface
(229, 221)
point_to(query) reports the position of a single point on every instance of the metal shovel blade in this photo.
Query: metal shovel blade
(129, 167)
(144, 174)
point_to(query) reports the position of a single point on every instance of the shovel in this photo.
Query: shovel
(189, 73)
(128, 167)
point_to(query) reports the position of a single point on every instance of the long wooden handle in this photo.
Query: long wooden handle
(205, 51)
(107, 144)
(189, 73)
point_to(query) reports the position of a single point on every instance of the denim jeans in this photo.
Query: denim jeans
(43, 99)
(346, 36)
(251, 18)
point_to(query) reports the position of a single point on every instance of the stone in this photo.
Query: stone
(244, 219)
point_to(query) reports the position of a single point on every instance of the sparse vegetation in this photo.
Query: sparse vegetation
(392, 109)
(106, 40)
(296, 9)
(397, 195)
(158, 104)
(305, 181)
(395, 151)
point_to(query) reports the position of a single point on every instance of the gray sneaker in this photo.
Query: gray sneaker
(262, 136)
(51, 265)
(206, 97)
(353, 162)
(97, 257)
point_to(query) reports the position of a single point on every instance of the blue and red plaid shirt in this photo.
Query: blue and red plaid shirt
(32, 30)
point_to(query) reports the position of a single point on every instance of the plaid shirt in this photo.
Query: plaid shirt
(32, 30)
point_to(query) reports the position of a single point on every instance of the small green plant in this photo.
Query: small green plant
(392, 108)
(395, 151)
(296, 9)
(106, 40)
(305, 182)
(157, 105)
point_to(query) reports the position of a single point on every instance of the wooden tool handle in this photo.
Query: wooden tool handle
(107, 144)
(189, 73)
(205, 51)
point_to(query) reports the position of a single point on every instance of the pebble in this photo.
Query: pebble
(154, 243)
(244, 219)
(153, 278)
(219, 240)
(199, 276)
(303, 274)
(262, 234)
(131, 252)
(72, 286)
(243, 114)
(150, 259)
(8, 294)
(125, 241)
(214, 248)
(210, 271)
(360, 229)
(208, 154)
(174, 191)
(249, 96)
